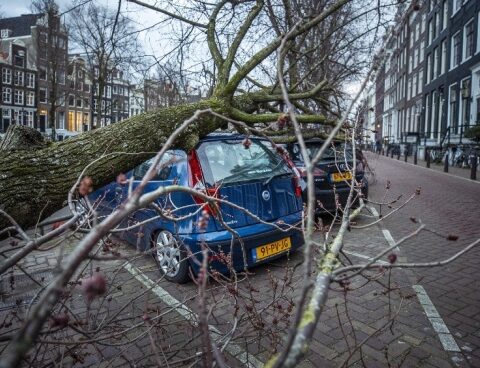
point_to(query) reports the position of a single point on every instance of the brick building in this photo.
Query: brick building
(18, 85)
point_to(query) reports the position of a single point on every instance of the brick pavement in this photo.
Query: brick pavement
(439, 167)
(447, 205)
(261, 305)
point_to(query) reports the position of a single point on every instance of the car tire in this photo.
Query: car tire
(171, 257)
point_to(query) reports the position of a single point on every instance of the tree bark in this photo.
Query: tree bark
(37, 182)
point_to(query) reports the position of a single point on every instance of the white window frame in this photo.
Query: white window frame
(443, 56)
(20, 78)
(445, 14)
(464, 40)
(30, 80)
(429, 68)
(7, 92)
(30, 100)
(453, 64)
(457, 5)
(6, 76)
(18, 97)
(436, 59)
(449, 111)
(29, 118)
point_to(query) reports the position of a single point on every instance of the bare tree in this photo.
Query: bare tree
(253, 113)
(109, 41)
(52, 43)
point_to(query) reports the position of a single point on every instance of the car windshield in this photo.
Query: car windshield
(229, 161)
(337, 151)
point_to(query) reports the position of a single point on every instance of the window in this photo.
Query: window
(61, 43)
(80, 86)
(71, 101)
(109, 92)
(30, 98)
(453, 107)
(87, 87)
(417, 31)
(6, 76)
(457, 4)
(424, 19)
(420, 81)
(409, 88)
(468, 35)
(456, 57)
(79, 102)
(29, 118)
(42, 74)
(18, 78)
(18, 97)
(445, 14)
(430, 32)
(7, 95)
(443, 62)
(30, 80)
(19, 60)
(61, 77)
(79, 73)
(429, 68)
(115, 90)
(414, 85)
(164, 167)
(5, 33)
(422, 51)
(415, 58)
(436, 62)
(42, 95)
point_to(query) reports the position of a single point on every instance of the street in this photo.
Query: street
(409, 317)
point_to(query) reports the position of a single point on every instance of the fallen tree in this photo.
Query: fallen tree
(34, 182)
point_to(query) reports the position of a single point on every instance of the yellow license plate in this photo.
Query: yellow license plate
(347, 175)
(271, 249)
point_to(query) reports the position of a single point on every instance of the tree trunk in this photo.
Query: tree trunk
(37, 182)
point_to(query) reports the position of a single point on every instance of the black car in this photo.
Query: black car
(332, 174)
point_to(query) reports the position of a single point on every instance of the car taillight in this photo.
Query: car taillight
(316, 172)
(296, 186)
(195, 180)
(195, 177)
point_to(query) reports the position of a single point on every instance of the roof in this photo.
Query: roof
(20, 25)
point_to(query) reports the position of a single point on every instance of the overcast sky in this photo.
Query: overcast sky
(141, 16)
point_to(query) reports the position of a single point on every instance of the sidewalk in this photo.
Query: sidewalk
(452, 170)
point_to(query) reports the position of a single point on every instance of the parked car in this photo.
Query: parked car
(332, 173)
(254, 177)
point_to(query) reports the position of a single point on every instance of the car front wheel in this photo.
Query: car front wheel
(171, 257)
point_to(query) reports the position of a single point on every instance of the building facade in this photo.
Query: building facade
(18, 85)
(431, 80)
(45, 42)
(452, 93)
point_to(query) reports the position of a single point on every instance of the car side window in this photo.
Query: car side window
(163, 172)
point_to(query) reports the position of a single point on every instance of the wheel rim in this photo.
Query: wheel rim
(168, 253)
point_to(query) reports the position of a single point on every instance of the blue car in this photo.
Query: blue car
(249, 173)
